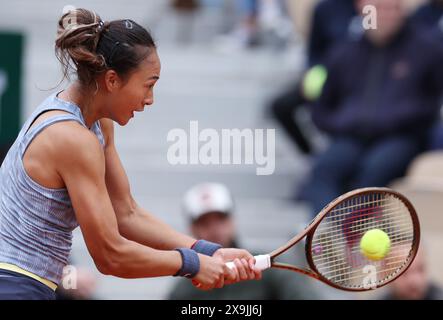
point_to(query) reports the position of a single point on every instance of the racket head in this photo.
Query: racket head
(333, 240)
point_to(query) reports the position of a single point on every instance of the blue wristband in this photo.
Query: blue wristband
(206, 247)
(190, 263)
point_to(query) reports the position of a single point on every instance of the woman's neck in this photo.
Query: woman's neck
(86, 100)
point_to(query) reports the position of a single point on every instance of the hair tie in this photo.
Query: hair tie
(128, 24)
(100, 26)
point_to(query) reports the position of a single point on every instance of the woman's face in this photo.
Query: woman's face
(137, 92)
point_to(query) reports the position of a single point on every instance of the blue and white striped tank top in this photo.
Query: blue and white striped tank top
(36, 222)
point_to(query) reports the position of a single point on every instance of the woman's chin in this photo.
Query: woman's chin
(123, 122)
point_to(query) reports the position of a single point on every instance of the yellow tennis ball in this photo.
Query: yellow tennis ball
(375, 244)
(313, 82)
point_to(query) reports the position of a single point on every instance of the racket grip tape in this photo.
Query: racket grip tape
(262, 262)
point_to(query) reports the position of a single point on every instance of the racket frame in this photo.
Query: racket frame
(309, 231)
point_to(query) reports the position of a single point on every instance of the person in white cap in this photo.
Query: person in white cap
(208, 206)
(209, 209)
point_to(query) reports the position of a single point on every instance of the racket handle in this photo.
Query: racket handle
(262, 262)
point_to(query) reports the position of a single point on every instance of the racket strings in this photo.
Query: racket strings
(396, 240)
(332, 228)
(387, 210)
(393, 258)
(347, 207)
(335, 243)
(389, 274)
(328, 226)
(334, 215)
(403, 229)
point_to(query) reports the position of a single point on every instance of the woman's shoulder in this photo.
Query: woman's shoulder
(73, 145)
(59, 148)
(70, 135)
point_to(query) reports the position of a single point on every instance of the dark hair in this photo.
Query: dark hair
(90, 46)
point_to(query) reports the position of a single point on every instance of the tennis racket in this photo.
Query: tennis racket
(333, 240)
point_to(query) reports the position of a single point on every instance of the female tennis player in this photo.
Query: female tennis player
(63, 171)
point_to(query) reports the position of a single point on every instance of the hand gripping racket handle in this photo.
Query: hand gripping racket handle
(262, 262)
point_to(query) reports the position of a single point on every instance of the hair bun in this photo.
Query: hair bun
(88, 45)
(77, 38)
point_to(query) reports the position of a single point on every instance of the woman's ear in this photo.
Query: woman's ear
(112, 81)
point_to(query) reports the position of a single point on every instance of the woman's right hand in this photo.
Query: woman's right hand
(212, 273)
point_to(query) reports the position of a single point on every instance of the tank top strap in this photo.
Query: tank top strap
(29, 136)
(49, 104)
(54, 103)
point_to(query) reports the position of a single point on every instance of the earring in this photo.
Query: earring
(96, 87)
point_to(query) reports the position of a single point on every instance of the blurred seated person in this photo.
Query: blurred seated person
(429, 14)
(333, 21)
(415, 283)
(379, 102)
(209, 209)
(429, 17)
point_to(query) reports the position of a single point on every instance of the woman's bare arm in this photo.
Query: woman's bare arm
(135, 223)
(82, 167)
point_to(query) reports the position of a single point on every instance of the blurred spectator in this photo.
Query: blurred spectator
(380, 100)
(209, 208)
(185, 5)
(415, 283)
(428, 15)
(333, 22)
(301, 12)
(257, 18)
(186, 14)
(246, 33)
(248, 30)
(429, 18)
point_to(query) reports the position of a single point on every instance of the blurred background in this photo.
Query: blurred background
(261, 64)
